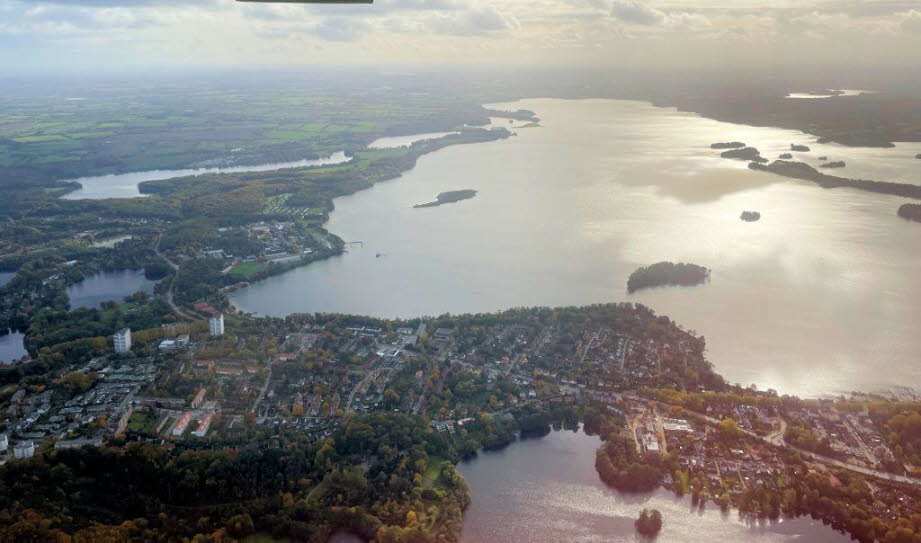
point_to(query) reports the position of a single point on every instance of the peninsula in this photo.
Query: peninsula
(801, 170)
(665, 274)
(449, 197)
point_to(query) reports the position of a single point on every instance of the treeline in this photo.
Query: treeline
(368, 479)
(621, 466)
(667, 273)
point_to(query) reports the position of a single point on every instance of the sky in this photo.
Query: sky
(84, 35)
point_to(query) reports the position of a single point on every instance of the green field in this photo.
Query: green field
(247, 270)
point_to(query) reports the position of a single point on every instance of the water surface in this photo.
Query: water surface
(816, 297)
(405, 141)
(108, 286)
(546, 491)
(126, 185)
(12, 347)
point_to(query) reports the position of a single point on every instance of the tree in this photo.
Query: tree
(649, 522)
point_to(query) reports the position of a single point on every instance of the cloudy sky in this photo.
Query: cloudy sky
(89, 34)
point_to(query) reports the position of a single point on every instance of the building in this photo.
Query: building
(199, 398)
(216, 325)
(77, 443)
(4, 443)
(122, 340)
(182, 424)
(203, 426)
(24, 449)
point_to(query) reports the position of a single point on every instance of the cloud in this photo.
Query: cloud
(636, 13)
(341, 28)
(910, 21)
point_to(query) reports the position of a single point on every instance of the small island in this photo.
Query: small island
(750, 154)
(649, 522)
(785, 156)
(449, 198)
(750, 216)
(667, 274)
(911, 212)
(823, 158)
(836, 164)
(799, 148)
(918, 156)
(727, 145)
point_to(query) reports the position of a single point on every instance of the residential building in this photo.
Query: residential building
(122, 340)
(24, 449)
(216, 325)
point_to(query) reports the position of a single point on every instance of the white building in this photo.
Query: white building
(24, 449)
(216, 325)
(122, 340)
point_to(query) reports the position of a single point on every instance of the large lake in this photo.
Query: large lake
(108, 286)
(819, 296)
(546, 490)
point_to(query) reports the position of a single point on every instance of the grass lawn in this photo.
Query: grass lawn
(432, 471)
(246, 270)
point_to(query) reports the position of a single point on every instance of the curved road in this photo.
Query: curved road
(169, 292)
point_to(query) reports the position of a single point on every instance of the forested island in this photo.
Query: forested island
(449, 197)
(750, 216)
(727, 145)
(799, 148)
(667, 273)
(834, 164)
(911, 212)
(649, 522)
(801, 170)
(745, 153)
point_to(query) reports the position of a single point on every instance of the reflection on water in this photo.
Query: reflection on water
(546, 490)
(815, 297)
(108, 286)
(405, 141)
(126, 185)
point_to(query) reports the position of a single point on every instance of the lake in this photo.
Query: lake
(125, 185)
(814, 298)
(11, 346)
(392, 142)
(547, 490)
(108, 286)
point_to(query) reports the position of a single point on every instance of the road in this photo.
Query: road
(169, 292)
(265, 386)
